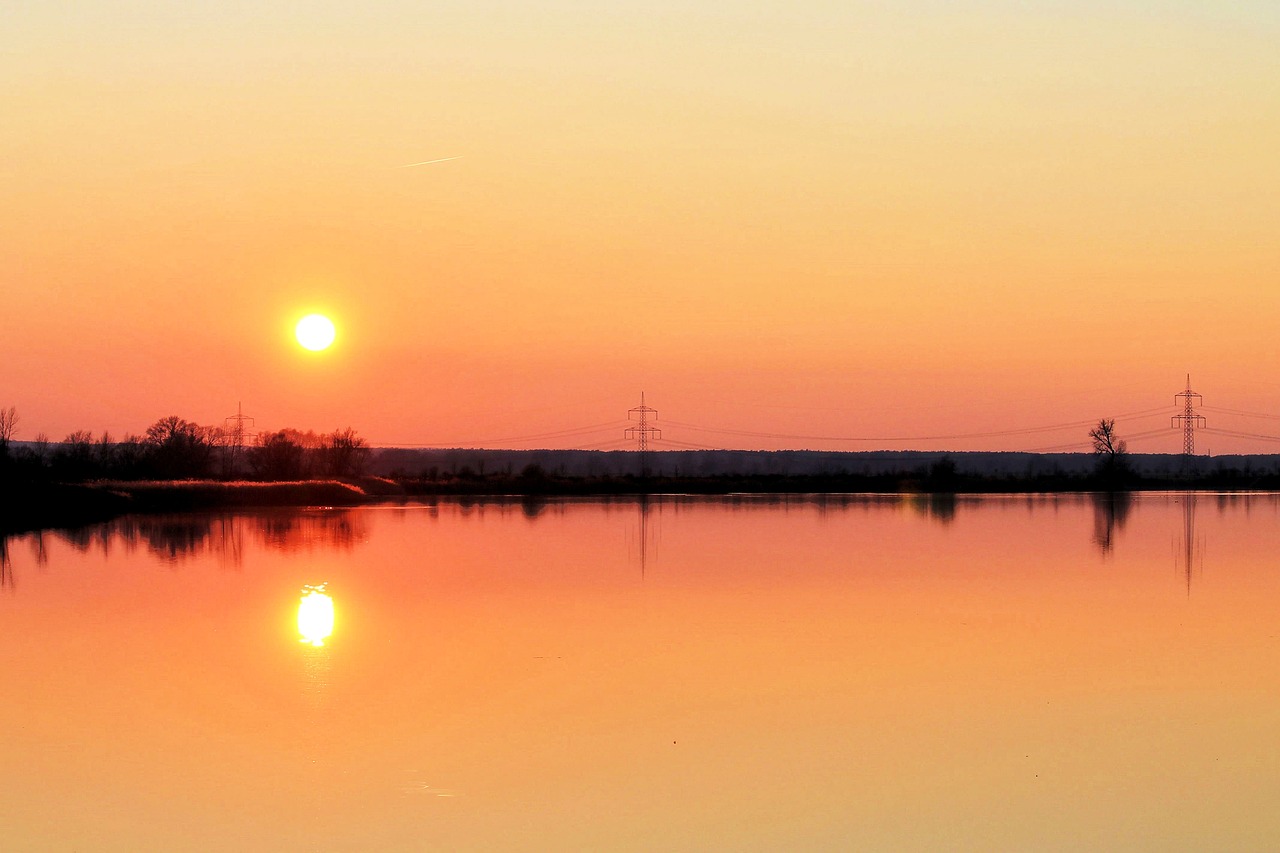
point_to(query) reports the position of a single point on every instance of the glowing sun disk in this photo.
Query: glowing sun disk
(315, 332)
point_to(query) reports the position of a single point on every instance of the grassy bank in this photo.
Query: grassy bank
(31, 506)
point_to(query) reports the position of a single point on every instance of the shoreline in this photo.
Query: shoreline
(41, 506)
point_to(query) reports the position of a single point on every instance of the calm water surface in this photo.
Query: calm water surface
(1045, 673)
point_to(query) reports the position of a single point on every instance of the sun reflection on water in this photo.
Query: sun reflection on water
(315, 615)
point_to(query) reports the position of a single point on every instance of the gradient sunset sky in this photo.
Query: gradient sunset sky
(859, 219)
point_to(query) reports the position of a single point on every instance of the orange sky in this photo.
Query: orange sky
(791, 219)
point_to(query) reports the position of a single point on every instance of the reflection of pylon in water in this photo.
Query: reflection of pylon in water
(1192, 549)
(229, 542)
(644, 535)
(642, 432)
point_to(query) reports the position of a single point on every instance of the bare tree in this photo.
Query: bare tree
(1104, 438)
(40, 447)
(1110, 451)
(104, 453)
(278, 456)
(130, 456)
(8, 425)
(344, 453)
(179, 448)
(73, 458)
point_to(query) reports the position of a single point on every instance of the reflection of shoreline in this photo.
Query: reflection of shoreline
(31, 506)
(177, 538)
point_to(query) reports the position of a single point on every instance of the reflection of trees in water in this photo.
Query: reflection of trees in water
(339, 528)
(935, 506)
(170, 538)
(80, 538)
(532, 506)
(6, 565)
(179, 537)
(1110, 512)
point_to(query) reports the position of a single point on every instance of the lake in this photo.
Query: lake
(1061, 672)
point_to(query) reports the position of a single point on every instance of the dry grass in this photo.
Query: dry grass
(199, 494)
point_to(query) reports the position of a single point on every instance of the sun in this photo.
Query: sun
(315, 615)
(315, 332)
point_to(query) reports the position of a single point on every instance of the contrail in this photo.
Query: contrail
(429, 162)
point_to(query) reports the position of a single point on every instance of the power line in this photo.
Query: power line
(642, 431)
(564, 433)
(989, 434)
(1236, 434)
(1083, 443)
(689, 444)
(610, 444)
(1240, 412)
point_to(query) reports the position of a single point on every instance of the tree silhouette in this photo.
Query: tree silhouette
(1110, 451)
(129, 456)
(343, 453)
(8, 425)
(179, 448)
(73, 459)
(278, 456)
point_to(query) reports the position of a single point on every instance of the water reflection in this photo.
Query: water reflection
(939, 506)
(1190, 548)
(227, 537)
(328, 529)
(177, 538)
(643, 506)
(315, 615)
(533, 506)
(1110, 512)
(6, 565)
(517, 660)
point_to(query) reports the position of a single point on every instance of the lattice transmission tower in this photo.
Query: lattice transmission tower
(642, 432)
(235, 434)
(1188, 420)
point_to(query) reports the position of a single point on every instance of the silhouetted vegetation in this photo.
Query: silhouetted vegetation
(278, 456)
(173, 466)
(179, 464)
(174, 448)
(8, 425)
(1112, 455)
(179, 449)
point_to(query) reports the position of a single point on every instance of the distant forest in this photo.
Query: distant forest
(177, 449)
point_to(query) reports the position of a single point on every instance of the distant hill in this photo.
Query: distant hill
(697, 463)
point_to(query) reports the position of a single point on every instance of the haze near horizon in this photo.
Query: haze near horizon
(807, 219)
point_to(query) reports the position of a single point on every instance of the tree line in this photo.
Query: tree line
(174, 448)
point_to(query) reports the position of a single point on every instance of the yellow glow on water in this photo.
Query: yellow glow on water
(315, 616)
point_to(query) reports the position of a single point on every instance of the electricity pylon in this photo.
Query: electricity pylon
(642, 432)
(1190, 420)
(235, 434)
